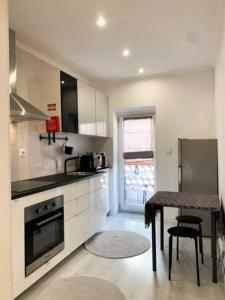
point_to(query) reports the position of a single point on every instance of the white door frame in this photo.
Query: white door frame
(121, 186)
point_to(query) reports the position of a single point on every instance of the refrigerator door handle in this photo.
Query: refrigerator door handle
(180, 178)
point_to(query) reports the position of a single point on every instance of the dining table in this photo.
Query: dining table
(200, 201)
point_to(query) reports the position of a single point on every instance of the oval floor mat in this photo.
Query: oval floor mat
(82, 288)
(117, 244)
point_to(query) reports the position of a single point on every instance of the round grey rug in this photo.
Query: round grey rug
(117, 244)
(82, 288)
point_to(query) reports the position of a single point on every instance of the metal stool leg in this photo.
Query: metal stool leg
(170, 254)
(197, 265)
(201, 243)
(178, 224)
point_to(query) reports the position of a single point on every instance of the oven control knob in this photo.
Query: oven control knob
(47, 206)
(53, 204)
(38, 210)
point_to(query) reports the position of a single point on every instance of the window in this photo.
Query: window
(138, 138)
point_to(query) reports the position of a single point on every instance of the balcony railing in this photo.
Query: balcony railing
(139, 181)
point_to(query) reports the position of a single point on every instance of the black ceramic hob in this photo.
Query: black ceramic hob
(26, 185)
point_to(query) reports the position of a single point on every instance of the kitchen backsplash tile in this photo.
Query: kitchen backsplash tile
(40, 158)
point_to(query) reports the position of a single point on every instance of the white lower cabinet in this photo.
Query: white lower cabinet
(92, 184)
(97, 211)
(101, 207)
(72, 238)
(76, 231)
(84, 215)
(84, 226)
(75, 207)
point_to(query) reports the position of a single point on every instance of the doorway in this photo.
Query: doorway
(137, 163)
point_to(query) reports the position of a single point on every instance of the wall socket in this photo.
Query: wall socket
(22, 152)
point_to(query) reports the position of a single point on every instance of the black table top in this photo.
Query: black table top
(202, 201)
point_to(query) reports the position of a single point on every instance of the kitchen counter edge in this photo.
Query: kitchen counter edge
(65, 180)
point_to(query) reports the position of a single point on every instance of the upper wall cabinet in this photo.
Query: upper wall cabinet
(38, 82)
(69, 103)
(86, 109)
(80, 107)
(101, 114)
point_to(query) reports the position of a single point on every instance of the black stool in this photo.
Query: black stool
(185, 232)
(191, 220)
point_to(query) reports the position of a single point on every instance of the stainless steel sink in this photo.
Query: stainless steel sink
(78, 174)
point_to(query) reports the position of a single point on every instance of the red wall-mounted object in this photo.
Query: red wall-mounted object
(52, 125)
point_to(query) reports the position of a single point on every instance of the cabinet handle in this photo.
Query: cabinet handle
(180, 178)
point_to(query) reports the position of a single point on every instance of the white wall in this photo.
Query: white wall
(220, 109)
(5, 227)
(184, 105)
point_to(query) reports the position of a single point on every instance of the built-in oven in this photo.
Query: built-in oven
(44, 232)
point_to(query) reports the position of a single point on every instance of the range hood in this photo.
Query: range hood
(20, 109)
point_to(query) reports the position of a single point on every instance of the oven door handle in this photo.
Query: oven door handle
(49, 220)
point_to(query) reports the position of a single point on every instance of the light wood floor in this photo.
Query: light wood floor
(134, 276)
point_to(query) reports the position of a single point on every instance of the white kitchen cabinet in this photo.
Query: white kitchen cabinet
(76, 216)
(75, 190)
(102, 182)
(92, 184)
(76, 231)
(49, 89)
(86, 108)
(84, 215)
(101, 207)
(70, 192)
(92, 110)
(97, 211)
(84, 224)
(72, 234)
(83, 188)
(75, 207)
(101, 114)
(38, 82)
(98, 198)
(93, 224)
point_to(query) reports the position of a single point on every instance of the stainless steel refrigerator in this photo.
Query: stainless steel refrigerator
(198, 172)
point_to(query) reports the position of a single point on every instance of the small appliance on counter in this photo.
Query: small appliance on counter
(104, 160)
(91, 162)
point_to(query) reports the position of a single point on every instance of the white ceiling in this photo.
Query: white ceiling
(162, 35)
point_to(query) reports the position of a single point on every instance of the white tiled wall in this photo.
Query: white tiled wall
(41, 159)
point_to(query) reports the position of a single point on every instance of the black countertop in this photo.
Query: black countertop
(39, 184)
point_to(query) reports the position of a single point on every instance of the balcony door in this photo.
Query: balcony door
(137, 168)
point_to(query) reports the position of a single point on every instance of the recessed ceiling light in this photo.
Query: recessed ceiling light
(126, 52)
(101, 22)
(141, 71)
